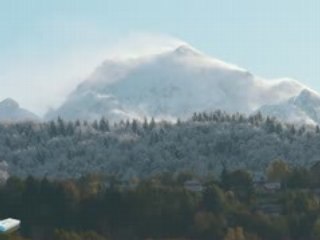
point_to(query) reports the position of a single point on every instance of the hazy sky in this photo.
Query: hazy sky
(48, 46)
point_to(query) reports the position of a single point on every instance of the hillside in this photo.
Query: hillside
(72, 149)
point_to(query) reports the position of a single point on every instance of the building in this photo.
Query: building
(9, 225)
(193, 185)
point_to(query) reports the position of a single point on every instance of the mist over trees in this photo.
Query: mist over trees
(204, 144)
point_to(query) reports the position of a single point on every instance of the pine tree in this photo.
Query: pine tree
(152, 124)
(145, 124)
(53, 131)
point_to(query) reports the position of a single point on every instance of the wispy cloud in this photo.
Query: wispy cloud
(42, 81)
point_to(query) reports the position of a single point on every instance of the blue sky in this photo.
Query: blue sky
(47, 46)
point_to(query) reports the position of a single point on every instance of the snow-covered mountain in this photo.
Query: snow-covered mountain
(304, 108)
(10, 111)
(170, 85)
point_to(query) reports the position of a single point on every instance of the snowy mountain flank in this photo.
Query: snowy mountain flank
(177, 83)
(10, 111)
(304, 108)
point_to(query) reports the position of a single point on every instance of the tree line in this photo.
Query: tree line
(204, 143)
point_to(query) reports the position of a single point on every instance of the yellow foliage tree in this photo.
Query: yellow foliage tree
(235, 234)
(278, 170)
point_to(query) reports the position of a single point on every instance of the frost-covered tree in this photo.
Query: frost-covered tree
(203, 145)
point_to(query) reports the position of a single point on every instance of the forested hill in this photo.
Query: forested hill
(60, 149)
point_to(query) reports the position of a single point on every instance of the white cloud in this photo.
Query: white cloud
(42, 81)
(137, 44)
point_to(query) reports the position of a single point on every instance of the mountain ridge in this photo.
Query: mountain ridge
(10, 111)
(303, 108)
(172, 85)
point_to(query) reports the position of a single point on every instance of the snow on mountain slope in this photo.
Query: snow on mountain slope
(10, 111)
(304, 108)
(171, 85)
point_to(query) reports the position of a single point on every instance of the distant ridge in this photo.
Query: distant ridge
(10, 111)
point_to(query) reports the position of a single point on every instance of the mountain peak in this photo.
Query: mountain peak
(10, 111)
(185, 49)
(308, 95)
(172, 84)
(9, 103)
